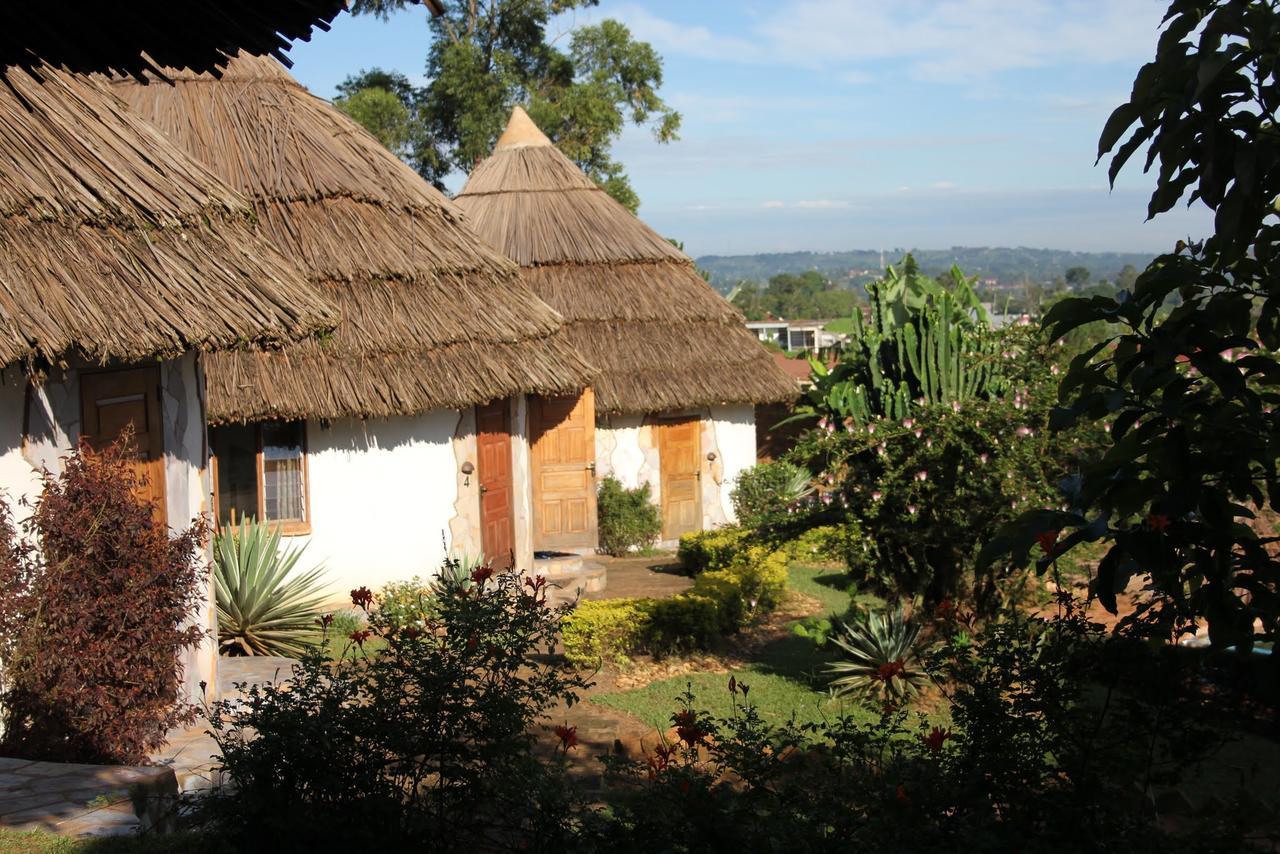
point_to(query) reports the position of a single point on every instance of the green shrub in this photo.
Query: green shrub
(264, 606)
(606, 630)
(824, 544)
(628, 518)
(407, 603)
(714, 549)
(763, 493)
(720, 602)
(881, 659)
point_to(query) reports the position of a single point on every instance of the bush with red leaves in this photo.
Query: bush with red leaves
(95, 607)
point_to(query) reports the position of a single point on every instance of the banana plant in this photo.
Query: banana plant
(882, 659)
(264, 606)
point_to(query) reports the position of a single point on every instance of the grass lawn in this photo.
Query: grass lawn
(39, 842)
(784, 680)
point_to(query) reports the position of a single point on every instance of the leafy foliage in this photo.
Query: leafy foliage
(96, 602)
(488, 56)
(711, 549)
(1032, 759)
(628, 518)
(264, 607)
(882, 660)
(431, 738)
(794, 295)
(763, 494)
(1190, 391)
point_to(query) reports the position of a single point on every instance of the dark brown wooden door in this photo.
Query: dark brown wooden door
(680, 464)
(563, 452)
(493, 470)
(113, 401)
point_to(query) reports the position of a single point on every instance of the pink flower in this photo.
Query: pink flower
(982, 458)
(922, 475)
(919, 433)
(1025, 431)
(908, 423)
(877, 495)
(911, 508)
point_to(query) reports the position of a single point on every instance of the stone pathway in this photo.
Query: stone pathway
(86, 800)
(658, 576)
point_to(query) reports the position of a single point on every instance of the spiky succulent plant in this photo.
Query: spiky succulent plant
(264, 607)
(882, 661)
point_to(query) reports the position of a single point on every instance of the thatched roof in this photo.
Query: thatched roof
(432, 316)
(115, 245)
(113, 36)
(662, 338)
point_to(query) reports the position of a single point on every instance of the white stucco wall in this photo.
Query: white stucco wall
(36, 431)
(627, 449)
(383, 495)
(735, 432)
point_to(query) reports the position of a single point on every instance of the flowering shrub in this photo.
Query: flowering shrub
(95, 607)
(429, 739)
(925, 493)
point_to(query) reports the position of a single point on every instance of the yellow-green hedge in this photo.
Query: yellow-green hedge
(720, 602)
(715, 549)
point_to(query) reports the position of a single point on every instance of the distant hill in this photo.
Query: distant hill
(1009, 266)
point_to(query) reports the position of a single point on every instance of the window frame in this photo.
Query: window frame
(286, 527)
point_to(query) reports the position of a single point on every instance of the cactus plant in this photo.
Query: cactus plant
(925, 341)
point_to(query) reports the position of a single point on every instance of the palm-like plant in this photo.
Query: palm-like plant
(263, 608)
(882, 661)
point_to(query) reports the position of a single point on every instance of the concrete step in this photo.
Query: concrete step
(569, 579)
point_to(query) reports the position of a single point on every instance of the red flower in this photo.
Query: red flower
(361, 597)
(482, 573)
(744, 688)
(886, 672)
(945, 610)
(934, 740)
(1158, 522)
(1048, 541)
(325, 621)
(411, 632)
(687, 728)
(361, 635)
(568, 736)
(902, 794)
(733, 685)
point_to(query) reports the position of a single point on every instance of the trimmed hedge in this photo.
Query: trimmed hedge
(715, 549)
(628, 518)
(720, 602)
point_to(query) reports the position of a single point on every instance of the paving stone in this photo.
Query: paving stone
(7, 764)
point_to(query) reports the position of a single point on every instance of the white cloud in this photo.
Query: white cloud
(820, 203)
(943, 185)
(774, 203)
(944, 41)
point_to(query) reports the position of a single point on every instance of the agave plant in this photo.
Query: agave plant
(264, 608)
(882, 662)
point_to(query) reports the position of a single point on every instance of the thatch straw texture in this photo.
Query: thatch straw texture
(102, 36)
(661, 337)
(432, 316)
(116, 245)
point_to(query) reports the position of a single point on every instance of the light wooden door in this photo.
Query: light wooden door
(497, 496)
(563, 454)
(113, 401)
(680, 464)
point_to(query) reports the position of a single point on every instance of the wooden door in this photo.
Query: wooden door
(680, 465)
(111, 402)
(493, 471)
(563, 456)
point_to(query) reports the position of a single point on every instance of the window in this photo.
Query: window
(260, 470)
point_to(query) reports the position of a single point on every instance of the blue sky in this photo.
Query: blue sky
(837, 124)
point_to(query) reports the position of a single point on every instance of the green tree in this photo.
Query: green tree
(384, 115)
(1078, 277)
(489, 55)
(1126, 278)
(1192, 391)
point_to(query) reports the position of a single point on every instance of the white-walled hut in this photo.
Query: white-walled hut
(123, 265)
(403, 436)
(679, 374)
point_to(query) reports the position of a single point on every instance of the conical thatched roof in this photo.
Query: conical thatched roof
(432, 317)
(662, 338)
(115, 245)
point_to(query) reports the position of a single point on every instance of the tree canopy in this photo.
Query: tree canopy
(485, 57)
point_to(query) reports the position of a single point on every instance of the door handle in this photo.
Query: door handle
(698, 474)
(591, 467)
(483, 490)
